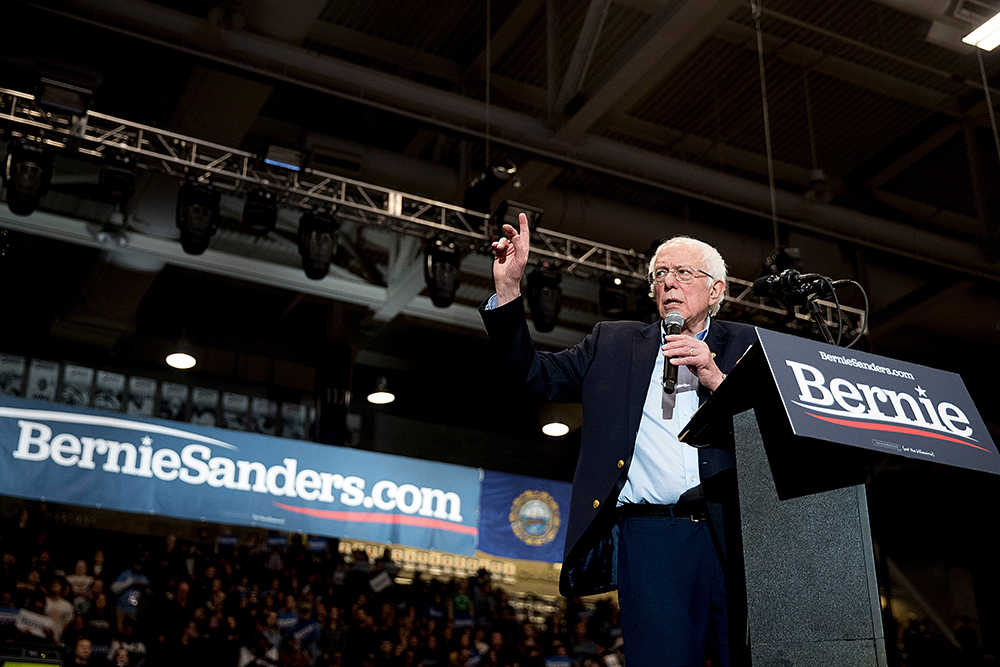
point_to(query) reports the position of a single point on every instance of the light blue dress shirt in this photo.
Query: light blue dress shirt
(662, 466)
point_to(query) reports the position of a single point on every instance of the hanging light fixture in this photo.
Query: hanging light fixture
(260, 213)
(317, 242)
(182, 357)
(555, 429)
(381, 395)
(442, 262)
(544, 296)
(197, 215)
(27, 174)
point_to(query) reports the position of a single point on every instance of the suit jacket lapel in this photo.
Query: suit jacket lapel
(644, 349)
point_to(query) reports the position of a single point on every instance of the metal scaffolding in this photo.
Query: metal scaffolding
(237, 172)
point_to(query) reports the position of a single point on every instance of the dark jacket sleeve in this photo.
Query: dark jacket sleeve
(545, 376)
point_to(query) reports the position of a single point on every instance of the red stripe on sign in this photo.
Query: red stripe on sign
(378, 517)
(895, 429)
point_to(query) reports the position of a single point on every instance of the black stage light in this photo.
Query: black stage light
(260, 213)
(783, 258)
(544, 296)
(484, 186)
(317, 242)
(67, 90)
(507, 212)
(27, 175)
(118, 175)
(614, 297)
(442, 259)
(197, 215)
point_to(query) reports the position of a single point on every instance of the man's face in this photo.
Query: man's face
(692, 300)
(83, 649)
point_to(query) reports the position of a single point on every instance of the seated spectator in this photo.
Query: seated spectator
(81, 652)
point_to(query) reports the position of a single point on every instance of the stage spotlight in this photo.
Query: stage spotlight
(781, 259)
(614, 297)
(484, 186)
(508, 210)
(27, 175)
(66, 91)
(118, 175)
(442, 260)
(544, 296)
(819, 191)
(260, 213)
(197, 215)
(317, 242)
(381, 395)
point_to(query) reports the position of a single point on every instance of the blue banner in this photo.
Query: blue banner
(523, 517)
(84, 457)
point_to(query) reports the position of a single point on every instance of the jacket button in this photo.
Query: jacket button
(621, 464)
(597, 503)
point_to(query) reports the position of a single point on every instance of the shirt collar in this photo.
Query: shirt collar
(701, 335)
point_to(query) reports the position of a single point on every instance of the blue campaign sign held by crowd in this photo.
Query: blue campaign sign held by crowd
(84, 457)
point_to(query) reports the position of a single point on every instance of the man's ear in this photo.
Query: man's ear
(716, 292)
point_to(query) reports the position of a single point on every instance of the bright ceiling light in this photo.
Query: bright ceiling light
(381, 395)
(986, 36)
(555, 429)
(181, 360)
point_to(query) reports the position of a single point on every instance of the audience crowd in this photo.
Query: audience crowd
(110, 602)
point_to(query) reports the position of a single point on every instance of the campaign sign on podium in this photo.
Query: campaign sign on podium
(862, 400)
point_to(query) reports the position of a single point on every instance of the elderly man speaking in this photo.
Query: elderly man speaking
(646, 515)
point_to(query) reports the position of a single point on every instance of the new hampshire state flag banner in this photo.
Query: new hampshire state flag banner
(523, 517)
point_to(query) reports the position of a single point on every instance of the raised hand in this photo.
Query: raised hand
(510, 257)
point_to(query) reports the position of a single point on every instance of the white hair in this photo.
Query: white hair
(710, 259)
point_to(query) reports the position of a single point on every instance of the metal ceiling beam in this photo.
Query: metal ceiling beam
(663, 43)
(842, 70)
(583, 52)
(406, 278)
(525, 13)
(914, 155)
(450, 110)
(389, 52)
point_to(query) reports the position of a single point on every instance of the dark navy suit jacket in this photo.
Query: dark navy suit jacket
(609, 373)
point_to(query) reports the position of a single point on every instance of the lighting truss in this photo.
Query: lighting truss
(238, 172)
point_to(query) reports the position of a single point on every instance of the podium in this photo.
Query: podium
(803, 418)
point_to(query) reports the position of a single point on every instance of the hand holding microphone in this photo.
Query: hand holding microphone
(672, 325)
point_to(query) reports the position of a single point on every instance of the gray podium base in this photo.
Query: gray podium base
(812, 597)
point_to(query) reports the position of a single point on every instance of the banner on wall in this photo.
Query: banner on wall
(84, 457)
(523, 517)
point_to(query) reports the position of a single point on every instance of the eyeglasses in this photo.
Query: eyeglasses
(683, 274)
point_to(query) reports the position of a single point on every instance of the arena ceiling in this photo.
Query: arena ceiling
(628, 121)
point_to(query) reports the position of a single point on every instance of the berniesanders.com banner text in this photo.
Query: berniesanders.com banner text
(84, 457)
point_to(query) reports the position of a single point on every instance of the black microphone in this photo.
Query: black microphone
(793, 287)
(672, 325)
